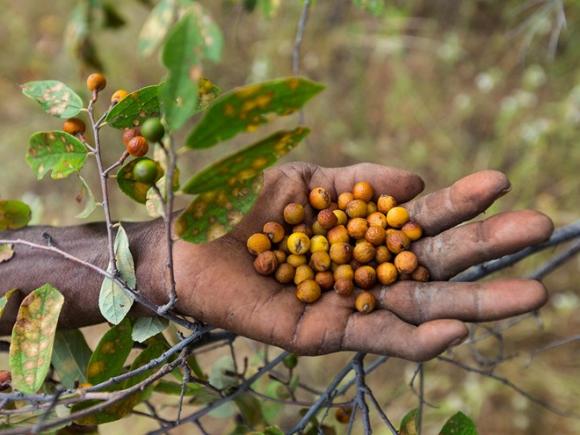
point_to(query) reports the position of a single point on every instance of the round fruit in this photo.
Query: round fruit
(377, 219)
(341, 253)
(266, 263)
(74, 126)
(138, 146)
(302, 228)
(383, 255)
(296, 260)
(317, 229)
(356, 209)
(364, 252)
(145, 171)
(327, 219)
(338, 234)
(318, 243)
(385, 203)
(118, 95)
(387, 273)
(340, 216)
(153, 130)
(344, 271)
(274, 231)
(294, 213)
(363, 190)
(319, 198)
(406, 262)
(308, 291)
(258, 243)
(96, 82)
(365, 277)
(283, 246)
(298, 243)
(280, 255)
(375, 235)
(343, 200)
(285, 273)
(303, 272)
(130, 133)
(421, 274)
(320, 261)
(397, 217)
(365, 302)
(357, 228)
(344, 287)
(412, 230)
(324, 279)
(290, 361)
(343, 414)
(397, 241)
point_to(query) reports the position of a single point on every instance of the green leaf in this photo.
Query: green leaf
(409, 423)
(32, 338)
(13, 215)
(156, 27)
(112, 18)
(250, 409)
(181, 56)
(122, 408)
(5, 298)
(86, 195)
(459, 424)
(135, 108)
(109, 357)
(273, 430)
(220, 377)
(212, 214)
(55, 98)
(212, 39)
(207, 93)
(191, 389)
(115, 301)
(147, 327)
(247, 163)
(134, 189)
(55, 151)
(70, 357)
(6, 252)
(247, 107)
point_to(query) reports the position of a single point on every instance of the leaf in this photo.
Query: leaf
(220, 377)
(207, 93)
(134, 189)
(247, 107)
(13, 215)
(55, 151)
(247, 163)
(122, 408)
(409, 424)
(181, 56)
(70, 357)
(135, 108)
(156, 27)
(115, 301)
(5, 298)
(33, 337)
(211, 34)
(86, 195)
(112, 18)
(212, 214)
(147, 327)
(6, 252)
(459, 424)
(55, 98)
(250, 409)
(109, 357)
(200, 393)
(78, 36)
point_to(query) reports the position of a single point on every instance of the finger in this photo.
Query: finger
(461, 201)
(382, 332)
(456, 249)
(468, 301)
(403, 185)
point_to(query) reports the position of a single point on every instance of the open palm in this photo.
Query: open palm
(217, 284)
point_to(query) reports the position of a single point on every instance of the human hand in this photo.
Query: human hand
(216, 282)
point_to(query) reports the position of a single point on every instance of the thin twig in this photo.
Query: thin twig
(361, 388)
(556, 261)
(298, 45)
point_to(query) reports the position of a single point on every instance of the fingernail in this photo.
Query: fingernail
(458, 341)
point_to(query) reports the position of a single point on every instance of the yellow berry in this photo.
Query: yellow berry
(344, 271)
(341, 217)
(319, 243)
(308, 291)
(298, 243)
(356, 209)
(387, 273)
(285, 273)
(413, 230)
(303, 272)
(258, 243)
(118, 95)
(317, 229)
(397, 217)
(294, 213)
(385, 203)
(296, 260)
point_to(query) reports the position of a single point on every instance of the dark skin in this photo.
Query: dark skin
(216, 282)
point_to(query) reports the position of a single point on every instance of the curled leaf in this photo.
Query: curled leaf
(5, 298)
(13, 215)
(87, 197)
(134, 189)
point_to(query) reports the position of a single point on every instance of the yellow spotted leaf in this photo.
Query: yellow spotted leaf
(33, 338)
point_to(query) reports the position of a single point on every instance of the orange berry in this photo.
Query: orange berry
(365, 277)
(406, 262)
(118, 95)
(357, 228)
(363, 190)
(340, 253)
(385, 203)
(285, 273)
(383, 255)
(344, 271)
(364, 252)
(96, 82)
(320, 261)
(397, 241)
(294, 213)
(327, 219)
(280, 255)
(371, 207)
(324, 279)
(317, 229)
(421, 274)
(376, 235)
(74, 126)
(397, 217)
(302, 228)
(296, 260)
(266, 263)
(413, 230)
(319, 198)
(377, 219)
(338, 234)
(387, 273)
(258, 243)
(137, 147)
(274, 231)
(343, 414)
(308, 291)
(130, 133)
(365, 302)
(357, 208)
(344, 287)
(343, 200)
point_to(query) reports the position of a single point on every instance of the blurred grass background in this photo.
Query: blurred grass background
(439, 87)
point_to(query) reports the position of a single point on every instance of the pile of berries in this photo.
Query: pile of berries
(353, 243)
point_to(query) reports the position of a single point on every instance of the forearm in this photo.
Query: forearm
(31, 267)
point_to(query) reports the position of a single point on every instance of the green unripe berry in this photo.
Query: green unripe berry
(145, 171)
(153, 130)
(291, 361)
